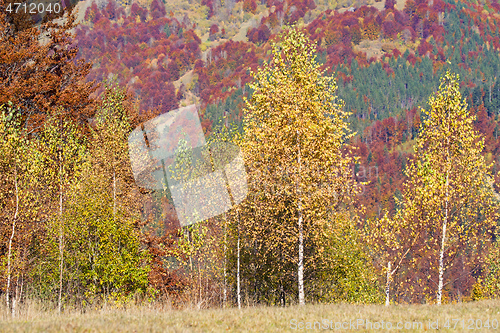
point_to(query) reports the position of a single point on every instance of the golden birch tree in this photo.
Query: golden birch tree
(62, 149)
(109, 148)
(19, 198)
(224, 143)
(450, 206)
(391, 241)
(295, 132)
(12, 150)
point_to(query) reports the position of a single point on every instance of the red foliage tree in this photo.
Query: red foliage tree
(91, 12)
(173, 70)
(263, 34)
(214, 29)
(401, 18)
(424, 48)
(349, 21)
(137, 10)
(40, 78)
(389, 29)
(157, 9)
(110, 10)
(389, 4)
(346, 37)
(249, 6)
(253, 35)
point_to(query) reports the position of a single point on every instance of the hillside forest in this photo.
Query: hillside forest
(368, 130)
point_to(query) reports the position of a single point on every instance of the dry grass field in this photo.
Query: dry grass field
(480, 316)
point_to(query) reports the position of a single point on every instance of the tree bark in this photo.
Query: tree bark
(300, 272)
(300, 268)
(114, 195)
(224, 297)
(282, 295)
(443, 240)
(61, 254)
(15, 298)
(238, 287)
(11, 238)
(388, 284)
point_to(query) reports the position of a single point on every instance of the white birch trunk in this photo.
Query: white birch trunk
(190, 239)
(114, 196)
(14, 306)
(300, 273)
(21, 291)
(443, 240)
(300, 268)
(388, 284)
(238, 285)
(225, 263)
(15, 298)
(199, 283)
(11, 238)
(61, 254)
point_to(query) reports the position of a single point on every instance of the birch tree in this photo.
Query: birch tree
(63, 151)
(19, 197)
(109, 147)
(392, 241)
(11, 149)
(223, 143)
(103, 240)
(449, 201)
(104, 260)
(295, 131)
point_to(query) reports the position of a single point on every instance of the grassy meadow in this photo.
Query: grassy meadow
(461, 317)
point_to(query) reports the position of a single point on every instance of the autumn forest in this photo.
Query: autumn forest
(368, 135)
